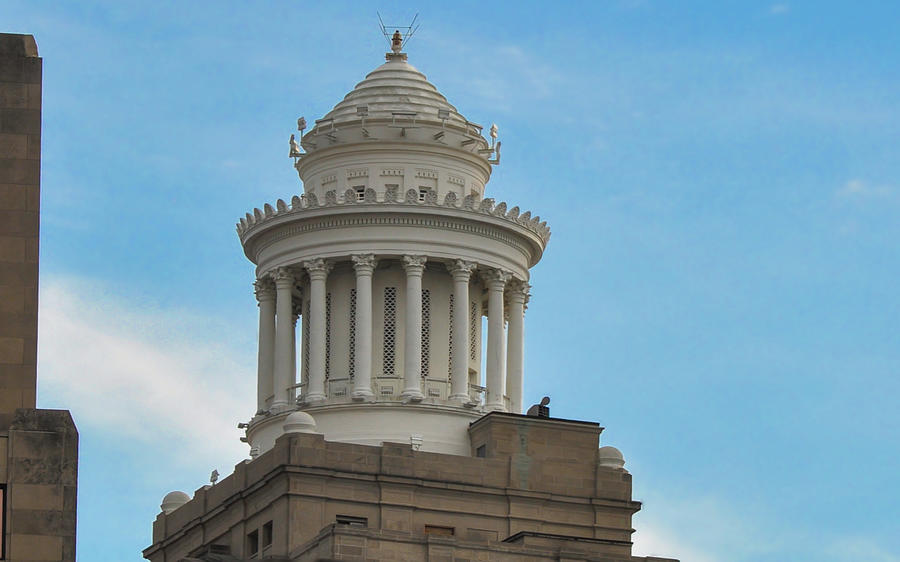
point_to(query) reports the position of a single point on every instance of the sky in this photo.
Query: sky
(722, 180)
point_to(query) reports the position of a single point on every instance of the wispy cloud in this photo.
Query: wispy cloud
(779, 9)
(861, 548)
(859, 189)
(136, 371)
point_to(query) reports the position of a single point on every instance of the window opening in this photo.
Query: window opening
(327, 336)
(473, 315)
(423, 191)
(360, 192)
(439, 530)
(267, 536)
(390, 331)
(426, 331)
(352, 338)
(253, 545)
(351, 520)
(450, 340)
(481, 451)
(306, 331)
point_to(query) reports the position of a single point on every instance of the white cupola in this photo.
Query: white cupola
(372, 284)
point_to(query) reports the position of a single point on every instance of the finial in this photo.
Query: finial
(399, 38)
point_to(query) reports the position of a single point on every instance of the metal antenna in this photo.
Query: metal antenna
(406, 31)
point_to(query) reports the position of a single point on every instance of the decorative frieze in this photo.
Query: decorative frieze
(456, 180)
(357, 173)
(331, 178)
(392, 172)
(426, 173)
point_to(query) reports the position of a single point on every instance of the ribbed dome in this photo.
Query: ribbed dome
(395, 86)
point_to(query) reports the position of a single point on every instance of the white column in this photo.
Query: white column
(364, 265)
(461, 272)
(318, 273)
(412, 350)
(496, 281)
(265, 295)
(284, 326)
(515, 344)
(292, 392)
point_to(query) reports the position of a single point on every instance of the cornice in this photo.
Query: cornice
(306, 206)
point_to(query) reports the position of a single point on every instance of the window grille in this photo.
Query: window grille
(473, 316)
(360, 192)
(327, 336)
(390, 331)
(308, 325)
(423, 191)
(352, 342)
(450, 342)
(426, 331)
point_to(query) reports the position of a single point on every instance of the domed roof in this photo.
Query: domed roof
(174, 500)
(610, 457)
(396, 86)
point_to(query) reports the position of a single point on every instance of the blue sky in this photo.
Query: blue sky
(720, 291)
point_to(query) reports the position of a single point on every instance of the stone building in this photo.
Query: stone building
(38, 448)
(377, 434)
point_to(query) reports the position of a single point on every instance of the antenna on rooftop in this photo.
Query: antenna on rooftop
(401, 34)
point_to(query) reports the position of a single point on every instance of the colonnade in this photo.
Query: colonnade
(277, 334)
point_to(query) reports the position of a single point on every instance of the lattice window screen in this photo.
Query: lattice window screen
(450, 341)
(473, 316)
(390, 331)
(327, 335)
(426, 331)
(352, 333)
(308, 325)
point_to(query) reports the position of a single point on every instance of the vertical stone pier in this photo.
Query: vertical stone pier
(38, 448)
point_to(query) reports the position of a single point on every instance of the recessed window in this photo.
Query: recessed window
(351, 520)
(253, 545)
(360, 192)
(481, 451)
(439, 530)
(423, 191)
(267, 536)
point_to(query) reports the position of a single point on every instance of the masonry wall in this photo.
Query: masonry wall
(20, 188)
(38, 448)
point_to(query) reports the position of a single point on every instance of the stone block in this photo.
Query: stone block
(35, 547)
(12, 298)
(12, 249)
(20, 120)
(13, 146)
(19, 223)
(20, 171)
(18, 324)
(12, 350)
(36, 497)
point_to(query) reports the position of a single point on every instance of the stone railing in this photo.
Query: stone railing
(451, 201)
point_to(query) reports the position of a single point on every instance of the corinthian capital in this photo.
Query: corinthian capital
(364, 263)
(496, 277)
(283, 277)
(517, 290)
(317, 268)
(414, 264)
(461, 269)
(264, 288)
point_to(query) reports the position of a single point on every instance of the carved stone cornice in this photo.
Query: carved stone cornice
(364, 264)
(451, 201)
(414, 265)
(461, 270)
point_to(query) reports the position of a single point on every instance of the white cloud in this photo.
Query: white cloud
(859, 189)
(859, 548)
(136, 371)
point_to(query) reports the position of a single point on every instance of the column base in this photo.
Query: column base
(314, 398)
(495, 407)
(412, 395)
(363, 396)
(279, 407)
(461, 399)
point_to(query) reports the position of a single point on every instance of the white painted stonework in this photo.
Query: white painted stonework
(373, 283)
